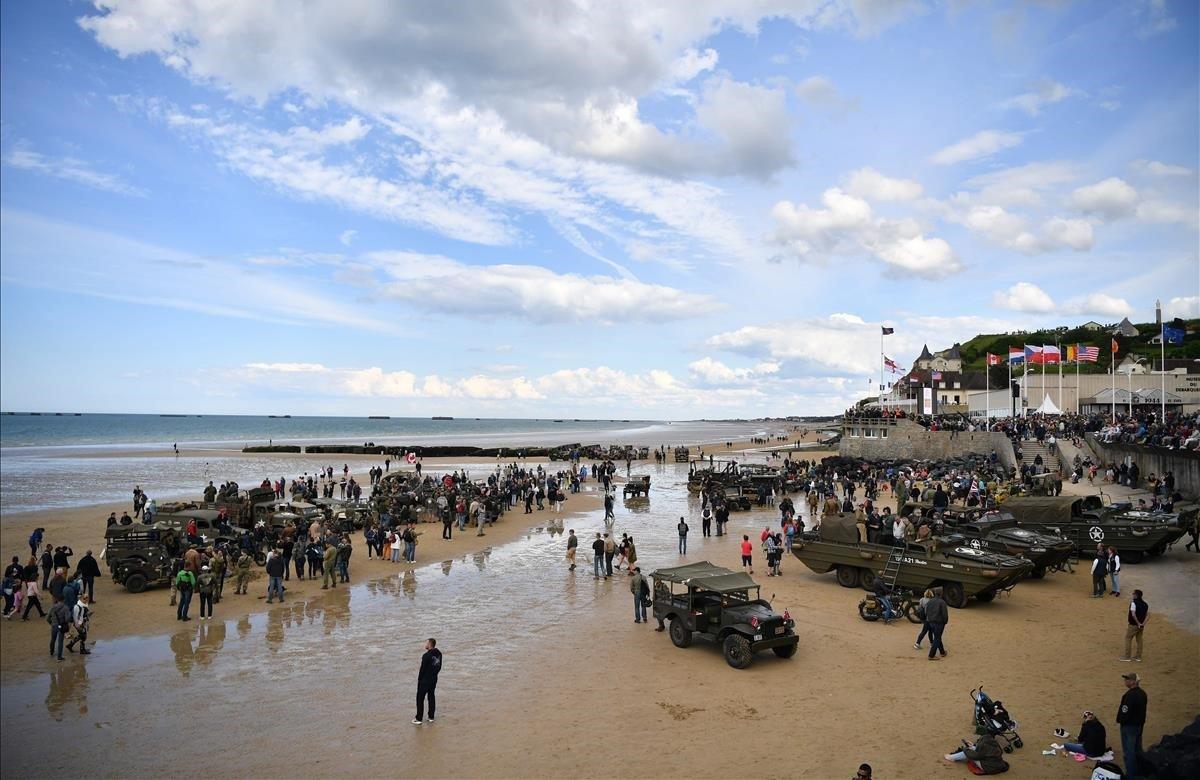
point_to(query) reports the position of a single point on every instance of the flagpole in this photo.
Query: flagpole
(1061, 405)
(1077, 356)
(881, 367)
(1008, 387)
(1112, 369)
(987, 386)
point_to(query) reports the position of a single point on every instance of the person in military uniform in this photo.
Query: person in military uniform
(244, 562)
(218, 565)
(176, 567)
(329, 558)
(206, 584)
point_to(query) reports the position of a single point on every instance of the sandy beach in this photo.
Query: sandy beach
(529, 643)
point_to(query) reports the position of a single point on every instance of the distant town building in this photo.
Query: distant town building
(1092, 325)
(946, 360)
(1125, 328)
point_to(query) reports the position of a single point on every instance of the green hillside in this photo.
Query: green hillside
(975, 351)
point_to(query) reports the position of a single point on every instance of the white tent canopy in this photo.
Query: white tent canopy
(1048, 406)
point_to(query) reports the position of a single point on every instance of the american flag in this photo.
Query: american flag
(1086, 354)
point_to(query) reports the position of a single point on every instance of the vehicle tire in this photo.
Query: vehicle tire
(1158, 550)
(870, 617)
(1135, 556)
(135, 583)
(847, 577)
(954, 594)
(260, 558)
(787, 651)
(680, 635)
(1038, 573)
(866, 578)
(737, 651)
(986, 596)
(911, 614)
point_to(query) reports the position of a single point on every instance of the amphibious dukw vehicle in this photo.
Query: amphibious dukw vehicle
(993, 532)
(1086, 521)
(949, 561)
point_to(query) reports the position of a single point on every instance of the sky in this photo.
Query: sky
(635, 209)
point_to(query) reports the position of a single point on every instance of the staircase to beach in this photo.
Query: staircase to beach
(1031, 448)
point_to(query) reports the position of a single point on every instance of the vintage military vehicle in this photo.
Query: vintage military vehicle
(637, 487)
(140, 556)
(1086, 521)
(994, 532)
(949, 561)
(723, 606)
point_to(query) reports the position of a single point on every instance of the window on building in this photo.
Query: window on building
(883, 433)
(956, 397)
(957, 385)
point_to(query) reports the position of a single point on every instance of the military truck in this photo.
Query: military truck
(994, 532)
(948, 561)
(140, 556)
(723, 606)
(1086, 521)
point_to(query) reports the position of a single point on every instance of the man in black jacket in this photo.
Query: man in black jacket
(1132, 717)
(427, 677)
(937, 615)
(89, 570)
(1139, 613)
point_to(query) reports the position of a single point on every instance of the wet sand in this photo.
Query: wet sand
(547, 675)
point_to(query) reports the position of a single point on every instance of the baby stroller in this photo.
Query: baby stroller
(992, 718)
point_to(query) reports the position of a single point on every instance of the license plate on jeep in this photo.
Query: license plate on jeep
(779, 629)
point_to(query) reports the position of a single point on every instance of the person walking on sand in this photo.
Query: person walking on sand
(88, 570)
(1099, 571)
(747, 553)
(244, 562)
(275, 564)
(206, 586)
(610, 550)
(683, 532)
(1139, 613)
(81, 618)
(32, 591)
(640, 590)
(60, 623)
(937, 615)
(427, 677)
(572, 547)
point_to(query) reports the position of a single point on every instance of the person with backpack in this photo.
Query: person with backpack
(185, 583)
(682, 527)
(206, 584)
(60, 623)
(81, 619)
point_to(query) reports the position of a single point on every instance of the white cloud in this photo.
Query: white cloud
(347, 237)
(847, 224)
(1110, 199)
(839, 343)
(442, 285)
(714, 372)
(1161, 169)
(1024, 296)
(1023, 185)
(1153, 18)
(22, 156)
(985, 143)
(1186, 307)
(819, 91)
(1102, 304)
(1045, 92)
(870, 184)
(1167, 211)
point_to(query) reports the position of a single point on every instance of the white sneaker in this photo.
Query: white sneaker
(1051, 752)
(1056, 746)
(416, 721)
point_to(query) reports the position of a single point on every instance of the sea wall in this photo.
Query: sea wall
(896, 439)
(1155, 460)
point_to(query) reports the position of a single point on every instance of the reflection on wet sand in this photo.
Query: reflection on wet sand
(446, 567)
(68, 685)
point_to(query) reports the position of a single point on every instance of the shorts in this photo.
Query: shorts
(746, 560)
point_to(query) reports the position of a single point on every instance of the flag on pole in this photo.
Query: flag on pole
(887, 331)
(1033, 354)
(1115, 346)
(936, 376)
(1087, 354)
(1072, 353)
(890, 365)
(1172, 335)
(1015, 355)
(1051, 354)
(993, 360)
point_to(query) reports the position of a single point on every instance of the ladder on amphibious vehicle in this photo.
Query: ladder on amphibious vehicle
(892, 569)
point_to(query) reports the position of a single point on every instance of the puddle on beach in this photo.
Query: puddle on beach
(350, 655)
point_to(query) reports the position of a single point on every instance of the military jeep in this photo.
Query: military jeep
(722, 606)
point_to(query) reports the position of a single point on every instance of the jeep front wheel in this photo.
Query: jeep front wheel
(135, 583)
(680, 636)
(737, 651)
